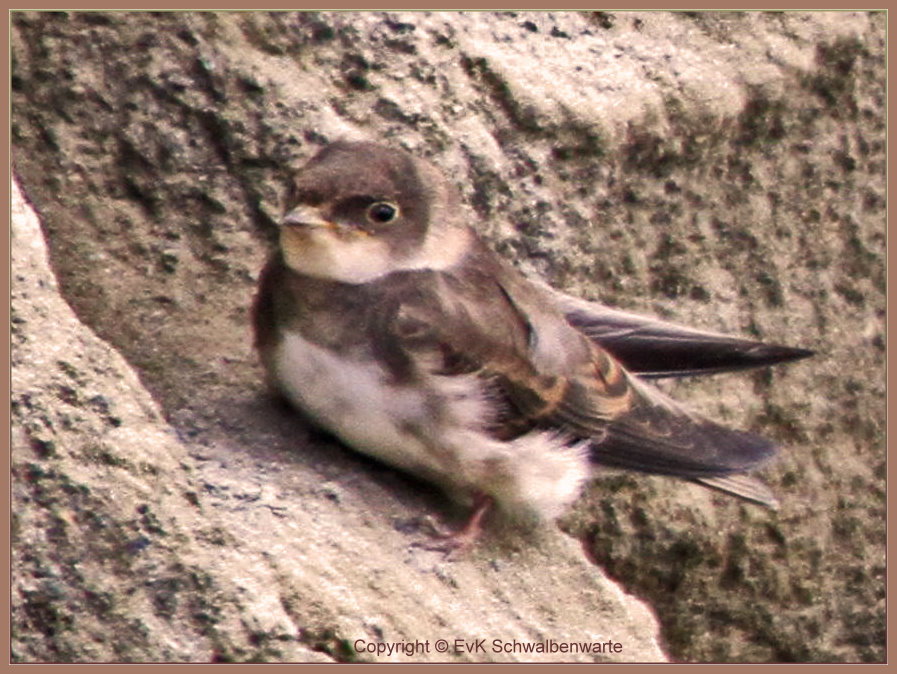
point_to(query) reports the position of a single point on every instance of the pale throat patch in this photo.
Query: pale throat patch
(321, 253)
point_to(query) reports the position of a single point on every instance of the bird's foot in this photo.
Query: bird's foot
(455, 543)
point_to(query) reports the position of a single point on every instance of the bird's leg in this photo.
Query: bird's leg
(461, 540)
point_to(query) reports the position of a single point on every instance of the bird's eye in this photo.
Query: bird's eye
(382, 212)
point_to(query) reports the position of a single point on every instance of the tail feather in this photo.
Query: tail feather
(743, 486)
(652, 348)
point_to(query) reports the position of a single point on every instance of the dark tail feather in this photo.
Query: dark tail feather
(743, 486)
(652, 348)
(663, 354)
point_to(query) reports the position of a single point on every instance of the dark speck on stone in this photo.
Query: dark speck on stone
(321, 32)
(605, 19)
(400, 27)
(138, 544)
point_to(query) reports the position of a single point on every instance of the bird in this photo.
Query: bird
(385, 317)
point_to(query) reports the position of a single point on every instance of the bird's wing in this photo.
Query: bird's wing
(658, 435)
(653, 348)
(550, 376)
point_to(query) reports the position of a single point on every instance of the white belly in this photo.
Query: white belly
(355, 400)
(434, 429)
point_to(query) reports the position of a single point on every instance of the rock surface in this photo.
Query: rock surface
(135, 543)
(725, 170)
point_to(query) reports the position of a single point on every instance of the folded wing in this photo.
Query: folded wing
(631, 425)
(545, 372)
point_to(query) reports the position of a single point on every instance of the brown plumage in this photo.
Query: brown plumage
(387, 319)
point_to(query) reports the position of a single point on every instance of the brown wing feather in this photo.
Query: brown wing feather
(551, 375)
(482, 317)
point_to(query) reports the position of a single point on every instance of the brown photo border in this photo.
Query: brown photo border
(356, 5)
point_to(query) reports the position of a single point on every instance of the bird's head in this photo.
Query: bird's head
(359, 211)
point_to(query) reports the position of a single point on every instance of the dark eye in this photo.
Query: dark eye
(382, 212)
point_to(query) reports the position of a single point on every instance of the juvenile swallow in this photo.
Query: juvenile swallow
(389, 321)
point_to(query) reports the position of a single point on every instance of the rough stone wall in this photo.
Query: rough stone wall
(725, 170)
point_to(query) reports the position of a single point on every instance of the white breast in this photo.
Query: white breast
(435, 428)
(355, 400)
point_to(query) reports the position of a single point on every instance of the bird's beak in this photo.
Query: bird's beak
(305, 216)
